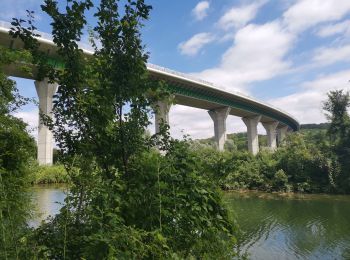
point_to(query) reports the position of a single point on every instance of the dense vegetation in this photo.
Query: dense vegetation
(47, 174)
(315, 159)
(17, 148)
(132, 195)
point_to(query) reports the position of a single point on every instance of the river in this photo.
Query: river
(272, 226)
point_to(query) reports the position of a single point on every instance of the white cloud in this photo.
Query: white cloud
(201, 10)
(192, 46)
(238, 17)
(254, 56)
(307, 13)
(327, 56)
(31, 118)
(197, 123)
(325, 83)
(260, 52)
(334, 29)
(190, 121)
(306, 105)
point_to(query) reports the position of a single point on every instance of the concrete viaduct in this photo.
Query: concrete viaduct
(188, 91)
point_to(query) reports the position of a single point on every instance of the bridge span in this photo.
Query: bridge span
(188, 91)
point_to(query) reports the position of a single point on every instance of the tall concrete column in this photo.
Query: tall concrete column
(45, 92)
(219, 117)
(281, 133)
(252, 133)
(161, 114)
(270, 128)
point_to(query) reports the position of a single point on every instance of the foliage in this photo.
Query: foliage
(16, 149)
(234, 142)
(297, 165)
(280, 180)
(314, 126)
(312, 160)
(47, 174)
(126, 200)
(339, 133)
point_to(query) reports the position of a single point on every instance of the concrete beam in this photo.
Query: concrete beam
(252, 133)
(219, 116)
(45, 92)
(161, 110)
(270, 128)
(281, 133)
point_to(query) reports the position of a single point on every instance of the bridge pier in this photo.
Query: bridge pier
(252, 133)
(161, 114)
(270, 128)
(219, 116)
(45, 92)
(281, 133)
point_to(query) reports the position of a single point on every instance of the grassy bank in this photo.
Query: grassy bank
(48, 174)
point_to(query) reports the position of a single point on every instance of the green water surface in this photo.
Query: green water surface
(272, 226)
(276, 226)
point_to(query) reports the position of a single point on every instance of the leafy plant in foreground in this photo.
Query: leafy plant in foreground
(126, 200)
(17, 148)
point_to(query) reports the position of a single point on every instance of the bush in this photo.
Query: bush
(165, 208)
(298, 165)
(16, 148)
(45, 174)
(280, 180)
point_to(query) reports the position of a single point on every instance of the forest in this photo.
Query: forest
(312, 160)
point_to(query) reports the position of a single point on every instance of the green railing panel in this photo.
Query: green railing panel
(212, 97)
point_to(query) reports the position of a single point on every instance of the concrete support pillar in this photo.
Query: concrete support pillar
(270, 128)
(252, 133)
(281, 133)
(161, 114)
(45, 92)
(219, 117)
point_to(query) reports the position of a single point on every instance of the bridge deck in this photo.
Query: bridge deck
(188, 90)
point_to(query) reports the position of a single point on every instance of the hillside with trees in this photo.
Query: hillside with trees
(313, 160)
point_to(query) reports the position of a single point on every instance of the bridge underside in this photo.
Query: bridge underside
(197, 103)
(187, 91)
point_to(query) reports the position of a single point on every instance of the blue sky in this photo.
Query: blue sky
(289, 53)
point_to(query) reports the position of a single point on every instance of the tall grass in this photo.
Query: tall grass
(45, 174)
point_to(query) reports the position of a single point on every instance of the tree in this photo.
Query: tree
(126, 200)
(17, 149)
(336, 112)
(339, 133)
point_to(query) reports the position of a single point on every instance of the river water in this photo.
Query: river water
(272, 226)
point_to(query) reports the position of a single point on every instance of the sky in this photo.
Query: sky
(288, 53)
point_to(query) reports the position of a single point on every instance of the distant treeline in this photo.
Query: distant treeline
(315, 126)
(314, 159)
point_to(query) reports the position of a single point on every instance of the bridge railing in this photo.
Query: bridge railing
(47, 36)
(210, 84)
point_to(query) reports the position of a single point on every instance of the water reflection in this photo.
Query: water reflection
(294, 227)
(48, 200)
(272, 226)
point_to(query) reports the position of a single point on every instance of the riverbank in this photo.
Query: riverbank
(45, 174)
(56, 174)
(272, 225)
(282, 193)
(287, 195)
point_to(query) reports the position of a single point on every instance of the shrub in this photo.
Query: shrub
(280, 180)
(50, 174)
